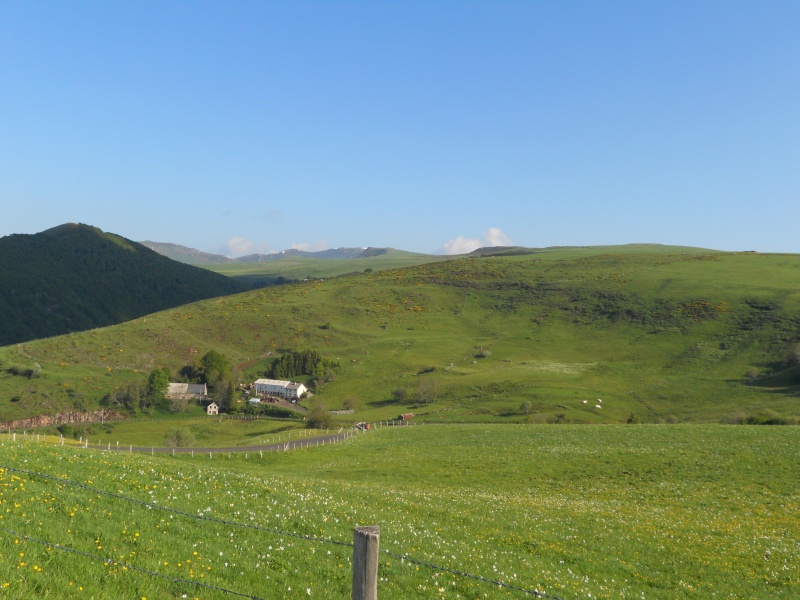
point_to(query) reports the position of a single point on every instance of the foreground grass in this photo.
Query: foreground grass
(606, 511)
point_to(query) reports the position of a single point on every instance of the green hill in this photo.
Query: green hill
(581, 335)
(183, 254)
(292, 267)
(75, 277)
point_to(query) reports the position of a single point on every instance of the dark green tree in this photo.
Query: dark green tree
(226, 395)
(215, 366)
(157, 382)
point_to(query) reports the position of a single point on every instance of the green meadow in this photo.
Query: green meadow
(584, 335)
(204, 431)
(573, 511)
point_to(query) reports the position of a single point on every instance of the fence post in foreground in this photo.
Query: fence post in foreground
(365, 562)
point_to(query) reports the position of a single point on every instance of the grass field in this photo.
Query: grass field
(658, 335)
(204, 431)
(576, 511)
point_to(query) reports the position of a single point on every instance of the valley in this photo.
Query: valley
(579, 427)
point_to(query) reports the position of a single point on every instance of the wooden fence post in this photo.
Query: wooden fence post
(365, 562)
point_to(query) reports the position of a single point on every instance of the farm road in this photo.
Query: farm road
(277, 447)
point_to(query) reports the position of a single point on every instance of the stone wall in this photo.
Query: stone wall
(92, 416)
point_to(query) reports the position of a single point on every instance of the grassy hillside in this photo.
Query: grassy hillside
(291, 267)
(183, 254)
(591, 511)
(549, 336)
(76, 277)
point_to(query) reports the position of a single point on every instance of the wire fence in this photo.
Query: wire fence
(201, 517)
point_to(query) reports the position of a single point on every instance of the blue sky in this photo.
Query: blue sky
(241, 127)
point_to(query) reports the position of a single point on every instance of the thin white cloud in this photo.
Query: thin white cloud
(315, 247)
(241, 246)
(463, 245)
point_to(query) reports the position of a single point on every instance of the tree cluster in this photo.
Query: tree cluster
(131, 397)
(303, 362)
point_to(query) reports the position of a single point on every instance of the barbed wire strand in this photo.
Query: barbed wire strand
(116, 563)
(503, 584)
(152, 505)
(311, 538)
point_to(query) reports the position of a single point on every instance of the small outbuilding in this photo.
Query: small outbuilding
(212, 409)
(186, 391)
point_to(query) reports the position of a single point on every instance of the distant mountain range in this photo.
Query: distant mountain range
(76, 277)
(191, 256)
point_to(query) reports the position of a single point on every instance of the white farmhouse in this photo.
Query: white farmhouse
(276, 387)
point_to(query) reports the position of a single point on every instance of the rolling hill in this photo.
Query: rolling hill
(193, 256)
(616, 334)
(76, 277)
(277, 268)
(186, 255)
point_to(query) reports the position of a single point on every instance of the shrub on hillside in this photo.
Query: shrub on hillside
(399, 394)
(130, 397)
(177, 405)
(318, 417)
(792, 356)
(351, 403)
(29, 372)
(427, 390)
(737, 418)
(269, 410)
(765, 417)
(178, 437)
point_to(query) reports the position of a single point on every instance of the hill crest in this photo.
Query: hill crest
(75, 277)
